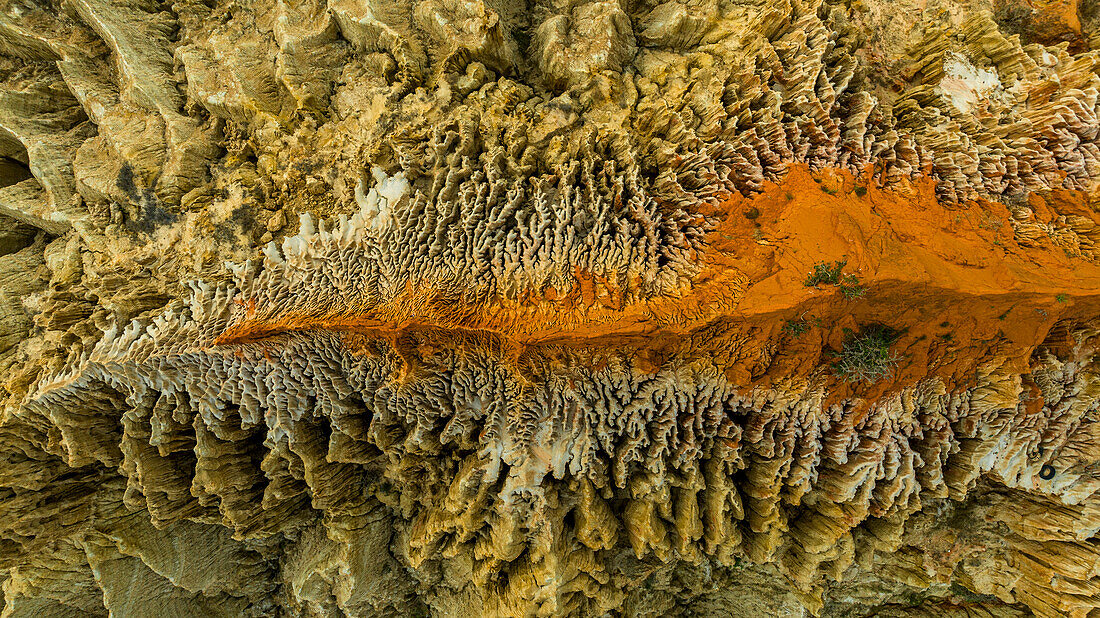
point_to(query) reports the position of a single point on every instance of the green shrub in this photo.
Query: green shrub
(823, 272)
(866, 356)
(851, 287)
(832, 274)
(796, 328)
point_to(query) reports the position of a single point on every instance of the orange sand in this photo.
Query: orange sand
(960, 287)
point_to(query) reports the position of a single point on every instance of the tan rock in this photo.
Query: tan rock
(592, 307)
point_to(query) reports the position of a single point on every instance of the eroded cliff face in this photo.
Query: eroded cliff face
(368, 308)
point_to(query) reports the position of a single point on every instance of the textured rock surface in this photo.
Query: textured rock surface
(368, 308)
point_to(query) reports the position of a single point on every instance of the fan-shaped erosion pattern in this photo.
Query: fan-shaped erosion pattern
(620, 308)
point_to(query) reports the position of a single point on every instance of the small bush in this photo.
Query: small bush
(1062, 298)
(796, 328)
(860, 191)
(851, 287)
(832, 274)
(866, 356)
(823, 272)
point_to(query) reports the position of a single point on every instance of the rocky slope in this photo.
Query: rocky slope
(560, 308)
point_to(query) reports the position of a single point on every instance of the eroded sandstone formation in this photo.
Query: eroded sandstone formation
(487, 308)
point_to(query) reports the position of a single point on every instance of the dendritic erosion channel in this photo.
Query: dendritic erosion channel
(549, 308)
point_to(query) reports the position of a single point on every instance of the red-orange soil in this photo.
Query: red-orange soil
(951, 277)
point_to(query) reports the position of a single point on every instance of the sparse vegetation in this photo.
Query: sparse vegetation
(1062, 298)
(866, 356)
(823, 272)
(860, 191)
(832, 274)
(796, 328)
(850, 287)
